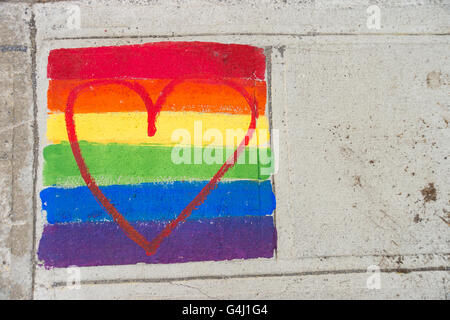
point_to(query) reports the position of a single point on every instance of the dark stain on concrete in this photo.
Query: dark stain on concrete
(429, 192)
(357, 181)
(346, 152)
(443, 219)
(446, 121)
(446, 219)
(417, 218)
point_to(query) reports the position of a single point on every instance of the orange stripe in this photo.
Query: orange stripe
(188, 96)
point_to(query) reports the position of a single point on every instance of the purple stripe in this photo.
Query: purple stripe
(95, 244)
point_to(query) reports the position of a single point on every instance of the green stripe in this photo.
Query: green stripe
(132, 164)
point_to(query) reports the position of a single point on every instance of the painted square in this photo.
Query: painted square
(157, 153)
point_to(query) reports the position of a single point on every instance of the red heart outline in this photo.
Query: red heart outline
(153, 110)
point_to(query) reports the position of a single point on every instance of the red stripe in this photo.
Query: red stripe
(160, 60)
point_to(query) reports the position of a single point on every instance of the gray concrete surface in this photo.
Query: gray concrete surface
(364, 145)
(16, 154)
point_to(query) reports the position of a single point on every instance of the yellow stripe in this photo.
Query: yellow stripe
(131, 128)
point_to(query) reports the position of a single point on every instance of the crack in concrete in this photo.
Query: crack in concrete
(267, 275)
(194, 288)
(33, 32)
(295, 35)
(12, 127)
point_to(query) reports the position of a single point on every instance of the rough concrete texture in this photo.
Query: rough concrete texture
(16, 156)
(364, 149)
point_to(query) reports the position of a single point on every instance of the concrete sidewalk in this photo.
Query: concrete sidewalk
(362, 187)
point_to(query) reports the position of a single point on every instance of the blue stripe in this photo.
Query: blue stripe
(159, 201)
